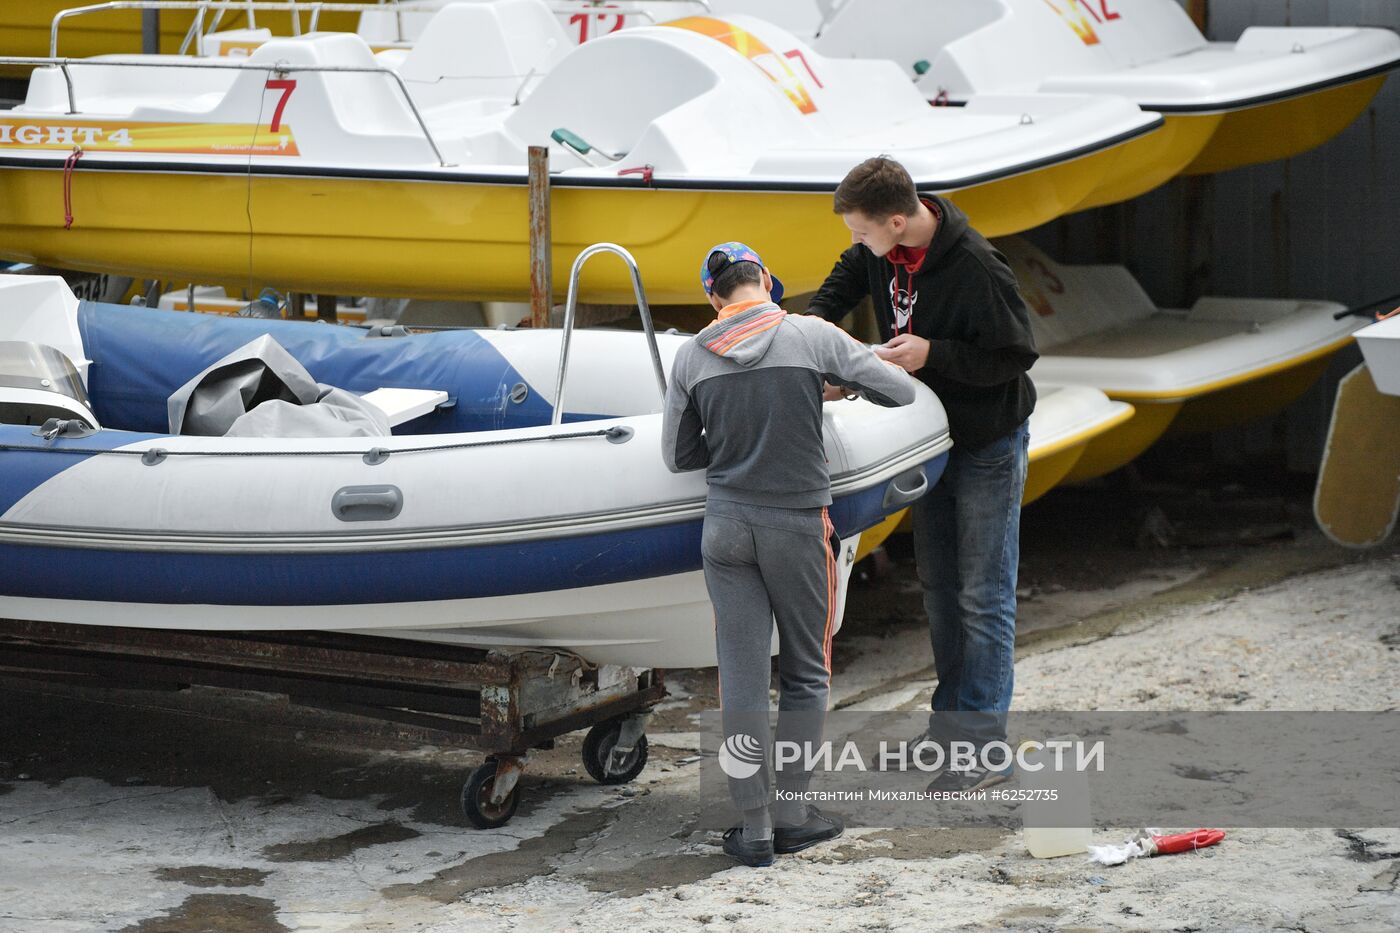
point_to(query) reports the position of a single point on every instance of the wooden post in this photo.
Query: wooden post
(541, 270)
(1199, 10)
(326, 308)
(150, 32)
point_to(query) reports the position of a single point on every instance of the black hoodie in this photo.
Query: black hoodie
(965, 301)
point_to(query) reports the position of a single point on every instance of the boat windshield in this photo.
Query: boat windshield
(26, 365)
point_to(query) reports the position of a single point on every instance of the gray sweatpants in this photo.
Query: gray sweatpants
(761, 565)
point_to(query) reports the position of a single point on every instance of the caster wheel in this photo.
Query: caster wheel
(597, 754)
(476, 799)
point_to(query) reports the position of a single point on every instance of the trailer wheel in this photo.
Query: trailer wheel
(476, 799)
(597, 754)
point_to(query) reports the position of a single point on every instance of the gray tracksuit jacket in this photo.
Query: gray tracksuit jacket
(745, 404)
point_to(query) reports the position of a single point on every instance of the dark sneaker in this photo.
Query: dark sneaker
(818, 828)
(752, 854)
(977, 778)
(924, 747)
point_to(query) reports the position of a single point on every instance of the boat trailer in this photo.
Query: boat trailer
(503, 702)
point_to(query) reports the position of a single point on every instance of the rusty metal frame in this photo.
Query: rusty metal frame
(498, 703)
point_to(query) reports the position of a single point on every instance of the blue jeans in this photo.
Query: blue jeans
(967, 542)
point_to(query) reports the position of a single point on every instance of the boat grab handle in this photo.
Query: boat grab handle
(905, 488)
(367, 503)
(571, 309)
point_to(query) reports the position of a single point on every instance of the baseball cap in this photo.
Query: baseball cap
(736, 252)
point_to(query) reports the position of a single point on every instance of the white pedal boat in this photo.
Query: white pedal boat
(1274, 93)
(280, 169)
(1139, 168)
(483, 525)
(1224, 361)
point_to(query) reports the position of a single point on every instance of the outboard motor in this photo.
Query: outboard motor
(38, 383)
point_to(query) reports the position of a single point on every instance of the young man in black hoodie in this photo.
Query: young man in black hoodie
(950, 313)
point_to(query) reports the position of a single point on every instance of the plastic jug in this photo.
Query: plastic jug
(1061, 826)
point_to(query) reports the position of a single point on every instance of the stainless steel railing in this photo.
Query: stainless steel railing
(63, 64)
(571, 309)
(220, 7)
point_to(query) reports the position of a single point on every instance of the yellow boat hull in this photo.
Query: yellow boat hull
(445, 240)
(1152, 161)
(1051, 464)
(1043, 473)
(1283, 128)
(1018, 203)
(1047, 466)
(1202, 144)
(1126, 442)
(1259, 398)
(871, 538)
(1228, 403)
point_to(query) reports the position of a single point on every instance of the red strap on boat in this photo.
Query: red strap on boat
(1388, 314)
(645, 171)
(69, 164)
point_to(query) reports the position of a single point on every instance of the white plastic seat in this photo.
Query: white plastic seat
(476, 50)
(400, 405)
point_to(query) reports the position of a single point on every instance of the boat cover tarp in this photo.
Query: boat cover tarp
(141, 356)
(260, 390)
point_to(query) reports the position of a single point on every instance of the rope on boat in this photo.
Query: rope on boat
(375, 455)
(69, 164)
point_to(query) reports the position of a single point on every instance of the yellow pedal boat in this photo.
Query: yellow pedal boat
(1067, 422)
(1274, 93)
(312, 166)
(1223, 362)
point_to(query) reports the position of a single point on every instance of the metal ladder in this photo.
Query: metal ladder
(570, 312)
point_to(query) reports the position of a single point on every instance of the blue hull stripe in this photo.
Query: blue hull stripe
(341, 579)
(382, 577)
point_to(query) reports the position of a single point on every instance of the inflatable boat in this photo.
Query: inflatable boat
(1274, 93)
(1222, 362)
(310, 162)
(476, 521)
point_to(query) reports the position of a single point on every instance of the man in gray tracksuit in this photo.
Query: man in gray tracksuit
(745, 404)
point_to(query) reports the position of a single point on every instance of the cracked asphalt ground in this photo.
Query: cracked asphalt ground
(1175, 589)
